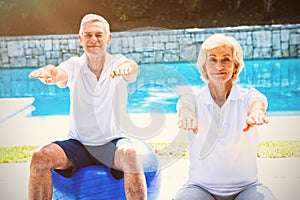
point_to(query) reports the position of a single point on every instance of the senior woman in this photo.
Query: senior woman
(222, 121)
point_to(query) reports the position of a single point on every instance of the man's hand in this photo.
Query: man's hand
(50, 75)
(124, 69)
(187, 119)
(256, 116)
(43, 74)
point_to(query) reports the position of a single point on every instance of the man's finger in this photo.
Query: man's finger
(48, 80)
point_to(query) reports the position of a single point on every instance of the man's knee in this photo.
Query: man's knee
(130, 156)
(47, 157)
(127, 160)
(39, 159)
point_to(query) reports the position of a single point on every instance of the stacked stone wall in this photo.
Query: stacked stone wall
(153, 46)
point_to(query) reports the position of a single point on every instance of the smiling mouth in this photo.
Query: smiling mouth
(93, 45)
(220, 73)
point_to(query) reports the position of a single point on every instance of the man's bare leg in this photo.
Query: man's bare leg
(134, 179)
(42, 162)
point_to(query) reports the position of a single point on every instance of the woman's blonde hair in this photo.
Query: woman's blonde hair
(218, 40)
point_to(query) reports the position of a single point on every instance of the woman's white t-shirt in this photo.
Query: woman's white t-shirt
(222, 156)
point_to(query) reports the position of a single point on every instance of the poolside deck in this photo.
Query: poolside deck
(281, 175)
(18, 129)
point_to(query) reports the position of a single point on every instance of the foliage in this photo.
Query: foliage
(266, 149)
(16, 154)
(133, 9)
(6, 6)
(35, 17)
(279, 149)
(190, 7)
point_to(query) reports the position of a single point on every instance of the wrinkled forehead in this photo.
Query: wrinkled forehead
(218, 40)
(223, 50)
(92, 26)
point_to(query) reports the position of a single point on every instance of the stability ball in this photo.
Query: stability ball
(96, 182)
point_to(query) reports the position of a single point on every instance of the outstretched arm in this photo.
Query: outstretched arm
(50, 75)
(256, 115)
(128, 69)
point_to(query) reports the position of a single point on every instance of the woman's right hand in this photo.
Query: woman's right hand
(187, 119)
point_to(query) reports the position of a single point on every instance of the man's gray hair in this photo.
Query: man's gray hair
(93, 18)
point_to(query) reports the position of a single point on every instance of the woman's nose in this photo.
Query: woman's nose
(219, 65)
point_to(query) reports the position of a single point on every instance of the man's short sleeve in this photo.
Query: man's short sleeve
(69, 66)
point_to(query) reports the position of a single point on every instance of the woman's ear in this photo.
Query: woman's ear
(235, 69)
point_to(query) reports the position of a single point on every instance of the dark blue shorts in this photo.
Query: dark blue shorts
(81, 155)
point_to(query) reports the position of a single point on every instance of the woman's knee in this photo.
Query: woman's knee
(260, 192)
(193, 192)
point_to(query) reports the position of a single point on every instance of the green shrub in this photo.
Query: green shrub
(133, 9)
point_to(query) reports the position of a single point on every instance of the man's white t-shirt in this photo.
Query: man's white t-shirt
(97, 106)
(222, 156)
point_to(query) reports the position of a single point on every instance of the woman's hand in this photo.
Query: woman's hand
(256, 115)
(187, 119)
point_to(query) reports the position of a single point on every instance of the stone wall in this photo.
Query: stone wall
(153, 46)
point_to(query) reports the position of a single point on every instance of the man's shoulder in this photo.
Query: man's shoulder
(74, 61)
(115, 60)
(114, 56)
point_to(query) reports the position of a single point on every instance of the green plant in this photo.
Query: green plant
(266, 149)
(191, 7)
(125, 10)
(16, 154)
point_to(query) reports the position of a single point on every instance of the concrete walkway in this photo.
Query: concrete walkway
(282, 176)
(16, 128)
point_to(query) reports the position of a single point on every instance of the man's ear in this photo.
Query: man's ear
(109, 39)
(80, 39)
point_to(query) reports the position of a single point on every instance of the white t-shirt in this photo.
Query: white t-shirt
(222, 157)
(97, 107)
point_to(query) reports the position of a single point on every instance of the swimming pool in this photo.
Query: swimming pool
(157, 85)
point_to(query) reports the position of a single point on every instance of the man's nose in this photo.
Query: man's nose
(94, 37)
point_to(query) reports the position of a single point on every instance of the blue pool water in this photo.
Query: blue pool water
(158, 84)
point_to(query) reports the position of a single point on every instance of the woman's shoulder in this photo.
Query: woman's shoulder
(203, 95)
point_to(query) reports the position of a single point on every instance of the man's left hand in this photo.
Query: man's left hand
(124, 69)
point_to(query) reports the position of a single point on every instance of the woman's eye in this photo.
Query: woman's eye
(226, 61)
(212, 60)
